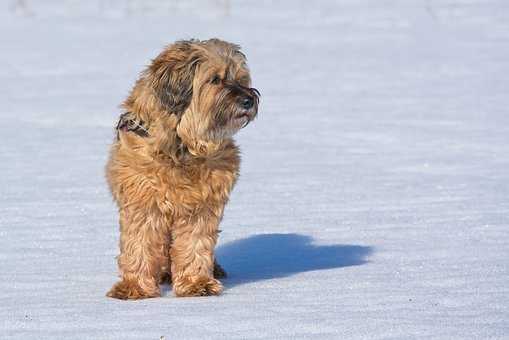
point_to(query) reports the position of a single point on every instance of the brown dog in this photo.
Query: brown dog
(174, 164)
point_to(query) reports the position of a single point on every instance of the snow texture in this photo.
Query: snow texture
(373, 199)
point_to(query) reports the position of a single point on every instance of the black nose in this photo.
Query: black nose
(247, 103)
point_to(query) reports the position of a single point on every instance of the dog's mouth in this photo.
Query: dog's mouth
(248, 105)
(244, 118)
(243, 115)
(242, 110)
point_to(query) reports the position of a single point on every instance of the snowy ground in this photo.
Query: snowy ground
(373, 202)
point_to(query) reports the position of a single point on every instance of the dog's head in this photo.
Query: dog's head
(207, 85)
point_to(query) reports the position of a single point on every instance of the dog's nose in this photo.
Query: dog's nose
(247, 103)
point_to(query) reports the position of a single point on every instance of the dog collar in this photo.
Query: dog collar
(128, 123)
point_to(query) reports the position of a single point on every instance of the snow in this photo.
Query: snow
(373, 200)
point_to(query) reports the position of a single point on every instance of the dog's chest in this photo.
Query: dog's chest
(214, 182)
(190, 189)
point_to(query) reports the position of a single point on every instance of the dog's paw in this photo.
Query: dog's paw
(130, 290)
(197, 286)
(219, 272)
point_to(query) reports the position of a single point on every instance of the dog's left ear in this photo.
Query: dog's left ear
(172, 74)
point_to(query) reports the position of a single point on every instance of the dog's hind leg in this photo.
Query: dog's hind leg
(143, 253)
(219, 272)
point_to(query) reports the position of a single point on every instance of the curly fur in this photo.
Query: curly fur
(172, 184)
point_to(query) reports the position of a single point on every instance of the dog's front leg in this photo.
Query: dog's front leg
(143, 253)
(192, 257)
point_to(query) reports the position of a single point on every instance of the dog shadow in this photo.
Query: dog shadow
(269, 256)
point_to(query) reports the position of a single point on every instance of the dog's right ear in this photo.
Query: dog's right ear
(171, 75)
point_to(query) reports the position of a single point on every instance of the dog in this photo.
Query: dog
(173, 165)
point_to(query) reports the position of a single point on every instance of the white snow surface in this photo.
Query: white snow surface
(373, 199)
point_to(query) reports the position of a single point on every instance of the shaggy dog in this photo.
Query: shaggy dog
(174, 164)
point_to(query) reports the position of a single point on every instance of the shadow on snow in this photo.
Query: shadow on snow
(269, 256)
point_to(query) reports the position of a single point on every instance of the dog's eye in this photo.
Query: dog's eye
(215, 80)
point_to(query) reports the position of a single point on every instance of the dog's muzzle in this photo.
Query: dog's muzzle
(248, 103)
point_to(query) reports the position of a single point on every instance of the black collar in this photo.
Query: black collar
(129, 123)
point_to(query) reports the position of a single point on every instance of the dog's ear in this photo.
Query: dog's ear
(171, 75)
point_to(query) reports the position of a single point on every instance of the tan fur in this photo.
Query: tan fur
(171, 186)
